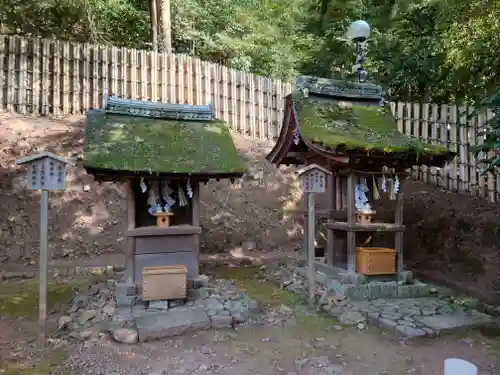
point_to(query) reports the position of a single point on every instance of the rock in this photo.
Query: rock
(123, 300)
(285, 310)
(171, 323)
(78, 302)
(175, 303)
(410, 332)
(87, 316)
(122, 315)
(205, 350)
(221, 321)
(126, 335)
(108, 310)
(351, 317)
(235, 307)
(65, 252)
(85, 335)
(387, 323)
(213, 306)
(64, 322)
(159, 305)
(238, 318)
(81, 335)
(253, 306)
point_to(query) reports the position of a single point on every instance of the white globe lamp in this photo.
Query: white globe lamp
(359, 31)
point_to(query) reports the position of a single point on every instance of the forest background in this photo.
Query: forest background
(439, 51)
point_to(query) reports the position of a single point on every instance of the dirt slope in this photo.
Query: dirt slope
(450, 237)
(87, 218)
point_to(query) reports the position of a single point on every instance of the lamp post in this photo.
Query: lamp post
(358, 32)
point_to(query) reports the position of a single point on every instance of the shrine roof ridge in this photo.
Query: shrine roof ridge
(143, 108)
(339, 88)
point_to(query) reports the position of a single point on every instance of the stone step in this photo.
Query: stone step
(455, 322)
(175, 322)
(433, 325)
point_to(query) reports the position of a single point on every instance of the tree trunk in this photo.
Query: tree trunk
(165, 26)
(153, 15)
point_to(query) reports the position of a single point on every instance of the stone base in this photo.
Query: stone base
(177, 322)
(206, 307)
(369, 289)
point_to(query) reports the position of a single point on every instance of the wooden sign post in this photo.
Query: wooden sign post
(46, 172)
(312, 180)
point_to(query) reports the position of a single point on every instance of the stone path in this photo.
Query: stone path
(408, 317)
(414, 317)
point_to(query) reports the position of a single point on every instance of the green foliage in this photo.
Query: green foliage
(422, 50)
(490, 132)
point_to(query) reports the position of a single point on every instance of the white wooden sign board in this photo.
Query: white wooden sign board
(45, 171)
(313, 179)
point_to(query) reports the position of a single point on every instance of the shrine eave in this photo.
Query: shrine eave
(119, 175)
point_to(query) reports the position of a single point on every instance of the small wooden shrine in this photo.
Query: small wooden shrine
(348, 129)
(163, 152)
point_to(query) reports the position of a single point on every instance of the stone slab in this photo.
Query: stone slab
(171, 323)
(453, 322)
(221, 321)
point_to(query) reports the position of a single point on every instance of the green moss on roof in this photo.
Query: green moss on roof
(141, 144)
(356, 127)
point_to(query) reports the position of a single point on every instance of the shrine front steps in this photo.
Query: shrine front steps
(409, 310)
(410, 317)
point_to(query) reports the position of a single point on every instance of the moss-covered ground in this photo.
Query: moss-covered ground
(18, 327)
(271, 295)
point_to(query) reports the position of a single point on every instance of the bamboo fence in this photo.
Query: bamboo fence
(49, 77)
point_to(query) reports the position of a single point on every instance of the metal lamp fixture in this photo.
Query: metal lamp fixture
(359, 31)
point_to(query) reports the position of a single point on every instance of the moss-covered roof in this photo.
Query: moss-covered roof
(126, 143)
(353, 126)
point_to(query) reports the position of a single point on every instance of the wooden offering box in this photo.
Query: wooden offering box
(163, 219)
(164, 282)
(375, 260)
(365, 217)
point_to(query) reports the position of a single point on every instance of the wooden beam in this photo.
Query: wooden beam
(372, 227)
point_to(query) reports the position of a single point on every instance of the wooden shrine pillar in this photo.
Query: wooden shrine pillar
(330, 234)
(305, 226)
(351, 218)
(195, 213)
(398, 236)
(130, 240)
